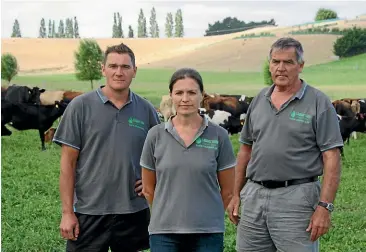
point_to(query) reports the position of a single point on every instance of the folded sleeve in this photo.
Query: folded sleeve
(147, 159)
(69, 130)
(226, 157)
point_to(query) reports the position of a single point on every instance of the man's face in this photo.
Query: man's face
(284, 67)
(118, 71)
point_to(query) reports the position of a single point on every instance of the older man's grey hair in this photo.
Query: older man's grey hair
(285, 43)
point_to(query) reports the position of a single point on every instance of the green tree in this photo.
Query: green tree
(119, 26)
(42, 29)
(352, 43)
(130, 32)
(76, 28)
(267, 74)
(54, 35)
(141, 28)
(49, 28)
(324, 14)
(61, 29)
(88, 60)
(169, 25)
(154, 27)
(179, 28)
(16, 30)
(9, 67)
(114, 28)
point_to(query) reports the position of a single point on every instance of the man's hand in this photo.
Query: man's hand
(319, 223)
(69, 227)
(138, 188)
(233, 209)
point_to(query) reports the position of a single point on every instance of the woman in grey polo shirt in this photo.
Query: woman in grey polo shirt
(187, 174)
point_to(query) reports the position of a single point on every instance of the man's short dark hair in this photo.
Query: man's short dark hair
(121, 49)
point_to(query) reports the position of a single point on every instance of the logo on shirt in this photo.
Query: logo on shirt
(300, 117)
(207, 143)
(134, 122)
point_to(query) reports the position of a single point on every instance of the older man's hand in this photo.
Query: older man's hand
(319, 223)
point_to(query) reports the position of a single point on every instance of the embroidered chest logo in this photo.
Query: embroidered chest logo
(207, 143)
(300, 117)
(133, 122)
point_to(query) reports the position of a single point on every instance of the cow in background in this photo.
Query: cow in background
(30, 116)
(21, 94)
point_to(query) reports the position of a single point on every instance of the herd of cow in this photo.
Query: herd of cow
(27, 108)
(229, 111)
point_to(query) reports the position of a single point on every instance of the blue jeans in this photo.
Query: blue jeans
(211, 242)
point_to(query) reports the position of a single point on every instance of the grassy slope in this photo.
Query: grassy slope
(30, 197)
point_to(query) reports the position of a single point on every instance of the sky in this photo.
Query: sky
(95, 17)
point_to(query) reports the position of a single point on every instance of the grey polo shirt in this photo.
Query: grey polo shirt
(110, 143)
(187, 195)
(287, 144)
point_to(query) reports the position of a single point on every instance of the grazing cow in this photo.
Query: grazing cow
(69, 95)
(224, 119)
(21, 94)
(236, 105)
(166, 107)
(51, 97)
(29, 116)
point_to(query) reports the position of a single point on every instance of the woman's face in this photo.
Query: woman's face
(186, 96)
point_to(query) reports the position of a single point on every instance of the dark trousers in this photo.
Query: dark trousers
(119, 232)
(211, 242)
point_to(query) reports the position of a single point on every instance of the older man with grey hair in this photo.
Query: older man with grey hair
(290, 137)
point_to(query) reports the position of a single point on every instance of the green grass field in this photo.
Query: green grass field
(30, 196)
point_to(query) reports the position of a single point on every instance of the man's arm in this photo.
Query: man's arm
(332, 174)
(243, 158)
(69, 158)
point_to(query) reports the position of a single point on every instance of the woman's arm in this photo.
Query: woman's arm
(226, 181)
(148, 184)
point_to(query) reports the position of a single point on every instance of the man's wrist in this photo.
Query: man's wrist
(327, 205)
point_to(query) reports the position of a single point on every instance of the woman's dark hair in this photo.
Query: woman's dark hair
(183, 73)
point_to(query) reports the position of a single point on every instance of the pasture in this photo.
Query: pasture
(30, 197)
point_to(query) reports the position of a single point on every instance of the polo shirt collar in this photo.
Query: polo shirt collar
(169, 125)
(105, 98)
(299, 94)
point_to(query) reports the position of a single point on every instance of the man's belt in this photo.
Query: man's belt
(277, 184)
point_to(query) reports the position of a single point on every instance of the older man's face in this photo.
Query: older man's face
(284, 67)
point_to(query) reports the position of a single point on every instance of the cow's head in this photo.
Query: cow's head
(34, 95)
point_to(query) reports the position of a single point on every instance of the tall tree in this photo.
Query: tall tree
(119, 26)
(71, 28)
(88, 60)
(61, 29)
(114, 29)
(67, 28)
(141, 28)
(49, 28)
(42, 29)
(169, 25)
(130, 32)
(154, 27)
(179, 28)
(16, 30)
(54, 35)
(76, 28)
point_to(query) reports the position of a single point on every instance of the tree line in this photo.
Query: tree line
(70, 27)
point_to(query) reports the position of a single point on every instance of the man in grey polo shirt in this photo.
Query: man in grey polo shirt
(290, 136)
(102, 134)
